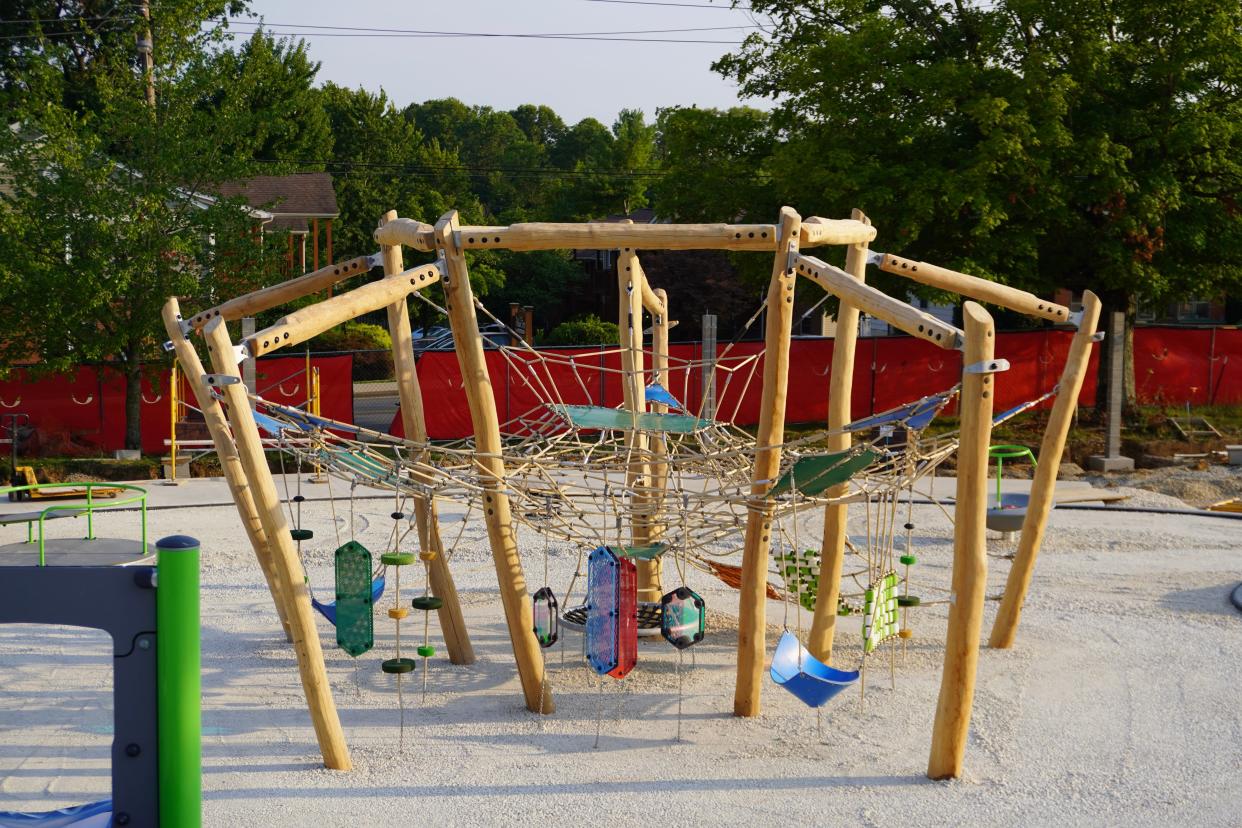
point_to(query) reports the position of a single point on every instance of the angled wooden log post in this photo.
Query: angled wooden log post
(970, 568)
(452, 623)
(230, 463)
(285, 563)
(652, 579)
(1005, 627)
(840, 389)
(752, 616)
(459, 301)
(634, 394)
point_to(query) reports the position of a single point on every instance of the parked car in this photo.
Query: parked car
(494, 336)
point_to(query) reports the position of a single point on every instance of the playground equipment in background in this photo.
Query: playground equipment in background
(152, 614)
(1007, 511)
(29, 488)
(74, 510)
(596, 464)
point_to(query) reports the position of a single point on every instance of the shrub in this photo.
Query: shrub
(585, 330)
(371, 343)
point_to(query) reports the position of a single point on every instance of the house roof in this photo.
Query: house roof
(643, 215)
(301, 195)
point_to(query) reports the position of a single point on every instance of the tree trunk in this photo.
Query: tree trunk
(1125, 302)
(133, 397)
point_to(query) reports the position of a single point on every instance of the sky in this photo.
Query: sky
(577, 78)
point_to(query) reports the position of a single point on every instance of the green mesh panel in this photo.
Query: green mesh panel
(818, 472)
(801, 573)
(598, 417)
(642, 553)
(355, 633)
(880, 612)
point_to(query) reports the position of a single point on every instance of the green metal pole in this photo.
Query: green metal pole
(179, 671)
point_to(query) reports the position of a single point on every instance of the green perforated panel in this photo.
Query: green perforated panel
(814, 474)
(355, 632)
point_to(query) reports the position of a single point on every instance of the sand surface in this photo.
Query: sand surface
(1120, 704)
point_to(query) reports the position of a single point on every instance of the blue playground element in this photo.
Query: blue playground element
(90, 815)
(916, 415)
(802, 674)
(328, 610)
(656, 393)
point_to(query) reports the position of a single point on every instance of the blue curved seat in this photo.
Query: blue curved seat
(328, 610)
(90, 815)
(802, 674)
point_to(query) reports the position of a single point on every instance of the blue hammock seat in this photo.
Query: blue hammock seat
(90, 815)
(328, 609)
(809, 679)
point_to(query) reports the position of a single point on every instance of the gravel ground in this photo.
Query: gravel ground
(1118, 705)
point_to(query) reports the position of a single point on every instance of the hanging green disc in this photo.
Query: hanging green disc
(426, 602)
(355, 633)
(426, 650)
(908, 560)
(398, 665)
(397, 558)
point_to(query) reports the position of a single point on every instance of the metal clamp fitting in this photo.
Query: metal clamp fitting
(221, 380)
(874, 257)
(991, 366)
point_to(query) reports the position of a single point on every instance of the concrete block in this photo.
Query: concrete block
(1104, 463)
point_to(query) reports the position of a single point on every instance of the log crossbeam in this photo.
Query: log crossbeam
(895, 312)
(619, 235)
(311, 321)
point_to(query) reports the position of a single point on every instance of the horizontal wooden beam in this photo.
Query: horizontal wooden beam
(817, 231)
(973, 287)
(313, 320)
(283, 293)
(880, 305)
(625, 235)
(408, 232)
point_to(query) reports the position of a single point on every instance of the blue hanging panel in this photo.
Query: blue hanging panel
(612, 613)
(808, 678)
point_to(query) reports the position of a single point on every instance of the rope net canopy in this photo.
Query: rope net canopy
(585, 473)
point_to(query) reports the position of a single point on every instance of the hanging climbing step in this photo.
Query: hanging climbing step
(355, 632)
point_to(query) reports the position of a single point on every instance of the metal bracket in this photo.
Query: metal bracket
(221, 380)
(992, 366)
(874, 257)
(1075, 318)
(168, 345)
(186, 327)
(1098, 336)
(376, 259)
(241, 353)
(457, 239)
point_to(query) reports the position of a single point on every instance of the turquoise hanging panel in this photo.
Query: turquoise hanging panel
(355, 631)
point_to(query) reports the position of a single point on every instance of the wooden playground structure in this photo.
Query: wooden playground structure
(227, 411)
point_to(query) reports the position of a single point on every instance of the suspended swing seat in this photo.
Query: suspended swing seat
(809, 679)
(328, 608)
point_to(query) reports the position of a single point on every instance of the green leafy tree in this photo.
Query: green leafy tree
(1045, 144)
(103, 215)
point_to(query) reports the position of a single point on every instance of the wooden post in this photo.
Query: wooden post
(752, 618)
(230, 464)
(634, 394)
(970, 563)
(459, 301)
(285, 563)
(452, 623)
(658, 447)
(315, 245)
(1005, 627)
(840, 390)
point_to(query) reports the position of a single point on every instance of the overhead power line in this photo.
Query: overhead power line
(675, 5)
(449, 34)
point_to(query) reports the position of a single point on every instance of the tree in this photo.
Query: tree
(106, 214)
(1045, 144)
